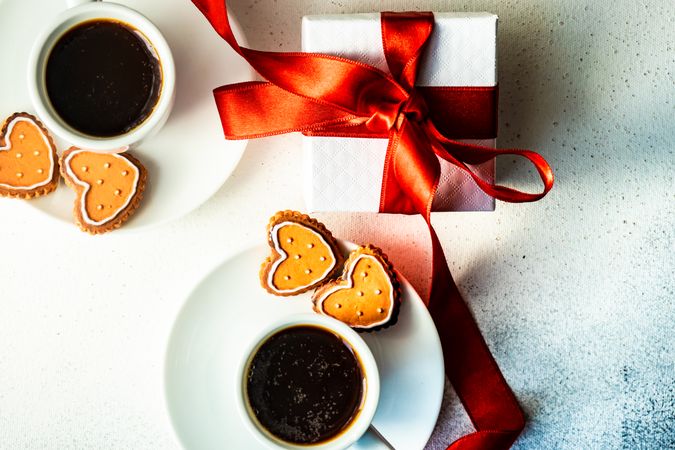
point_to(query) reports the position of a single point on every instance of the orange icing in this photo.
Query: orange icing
(112, 181)
(28, 160)
(303, 265)
(369, 302)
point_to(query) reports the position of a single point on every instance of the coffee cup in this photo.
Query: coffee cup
(101, 76)
(307, 382)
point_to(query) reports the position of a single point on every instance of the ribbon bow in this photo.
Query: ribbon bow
(320, 94)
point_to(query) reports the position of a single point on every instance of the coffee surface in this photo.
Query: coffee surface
(305, 385)
(102, 78)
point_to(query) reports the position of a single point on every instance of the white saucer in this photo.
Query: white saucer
(227, 309)
(189, 159)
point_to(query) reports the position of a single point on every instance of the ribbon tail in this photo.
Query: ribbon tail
(414, 171)
(469, 365)
(215, 12)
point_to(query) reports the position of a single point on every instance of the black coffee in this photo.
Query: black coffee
(305, 385)
(103, 78)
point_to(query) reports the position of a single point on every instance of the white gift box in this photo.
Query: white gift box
(345, 174)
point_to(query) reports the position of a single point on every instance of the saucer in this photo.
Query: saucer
(189, 159)
(225, 312)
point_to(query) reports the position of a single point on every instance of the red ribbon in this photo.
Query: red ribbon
(325, 95)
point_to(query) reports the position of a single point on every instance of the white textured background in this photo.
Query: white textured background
(574, 294)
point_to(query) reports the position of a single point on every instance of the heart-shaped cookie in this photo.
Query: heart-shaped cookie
(304, 254)
(367, 296)
(109, 187)
(28, 162)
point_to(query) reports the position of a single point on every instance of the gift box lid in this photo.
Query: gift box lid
(460, 52)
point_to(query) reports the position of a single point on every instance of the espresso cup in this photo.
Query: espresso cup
(358, 422)
(80, 14)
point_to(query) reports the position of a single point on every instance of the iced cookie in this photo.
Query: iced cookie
(304, 254)
(367, 296)
(109, 187)
(28, 162)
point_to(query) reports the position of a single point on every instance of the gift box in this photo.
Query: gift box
(345, 174)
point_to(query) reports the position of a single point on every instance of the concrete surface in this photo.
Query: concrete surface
(574, 294)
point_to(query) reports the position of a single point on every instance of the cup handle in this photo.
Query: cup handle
(73, 3)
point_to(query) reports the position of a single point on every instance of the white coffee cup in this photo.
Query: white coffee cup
(83, 11)
(356, 428)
